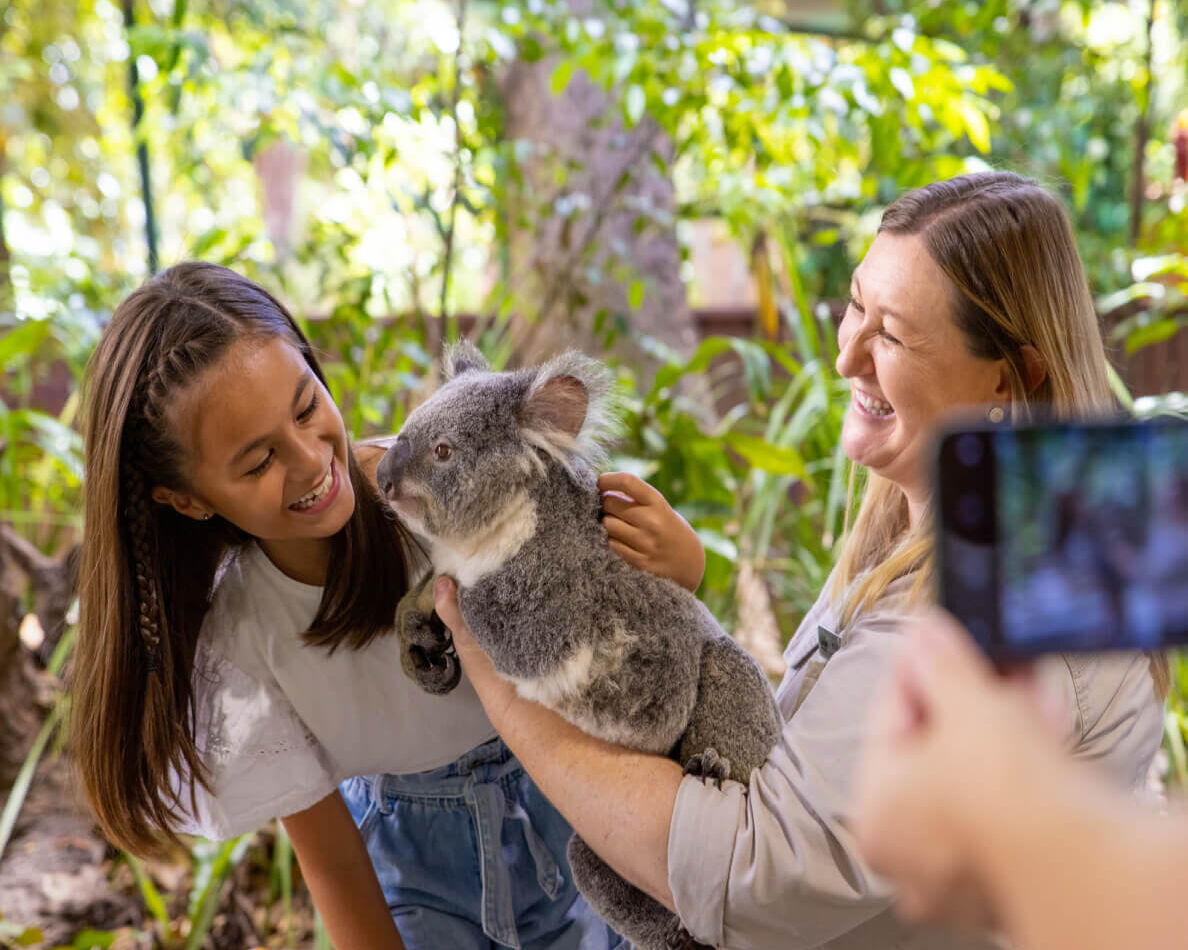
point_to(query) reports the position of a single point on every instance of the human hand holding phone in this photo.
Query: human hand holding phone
(953, 759)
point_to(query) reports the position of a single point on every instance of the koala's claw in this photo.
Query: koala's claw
(428, 655)
(436, 672)
(678, 938)
(708, 765)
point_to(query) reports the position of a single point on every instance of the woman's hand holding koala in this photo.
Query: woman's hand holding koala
(617, 796)
(495, 692)
(647, 533)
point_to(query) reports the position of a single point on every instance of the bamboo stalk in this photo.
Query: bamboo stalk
(142, 154)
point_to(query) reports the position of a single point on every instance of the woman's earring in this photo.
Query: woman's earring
(996, 414)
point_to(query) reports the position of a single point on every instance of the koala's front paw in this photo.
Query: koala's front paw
(708, 765)
(678, 938)
(427, 649)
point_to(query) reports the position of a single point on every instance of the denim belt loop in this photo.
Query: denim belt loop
(384, 801)
(489, 806)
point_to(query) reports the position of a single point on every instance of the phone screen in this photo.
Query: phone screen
(1066, 537)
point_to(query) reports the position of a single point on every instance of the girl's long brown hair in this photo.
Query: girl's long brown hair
(148, 573)
(1007, 248)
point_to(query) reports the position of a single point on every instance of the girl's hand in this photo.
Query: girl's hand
(646, 532)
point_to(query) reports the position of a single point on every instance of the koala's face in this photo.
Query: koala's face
(460, 457)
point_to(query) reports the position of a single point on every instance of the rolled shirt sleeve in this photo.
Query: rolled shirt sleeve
(772, 863)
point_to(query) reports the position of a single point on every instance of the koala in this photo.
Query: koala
(495, 474)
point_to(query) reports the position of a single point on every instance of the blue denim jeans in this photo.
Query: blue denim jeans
(472, 856)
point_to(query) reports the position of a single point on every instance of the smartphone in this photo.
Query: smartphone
(1065, 537)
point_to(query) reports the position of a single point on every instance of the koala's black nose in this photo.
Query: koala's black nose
(387, 475)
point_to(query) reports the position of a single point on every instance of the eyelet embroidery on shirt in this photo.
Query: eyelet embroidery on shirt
(211, 668)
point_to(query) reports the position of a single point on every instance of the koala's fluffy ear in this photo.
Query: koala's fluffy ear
(567, 409)
(463, 356)
(558, 404)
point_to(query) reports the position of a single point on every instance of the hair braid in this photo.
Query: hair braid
(142, 538)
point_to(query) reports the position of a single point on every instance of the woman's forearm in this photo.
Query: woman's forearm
(618, 800)
(338, 872)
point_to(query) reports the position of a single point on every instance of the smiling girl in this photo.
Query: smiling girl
(239, 577)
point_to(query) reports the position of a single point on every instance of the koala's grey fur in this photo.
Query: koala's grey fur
(510, 508)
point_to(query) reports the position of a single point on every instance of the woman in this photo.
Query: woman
(240, 574)
(967, 806)
(972, 295)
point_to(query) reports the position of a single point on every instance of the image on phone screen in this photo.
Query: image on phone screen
(1066, 537)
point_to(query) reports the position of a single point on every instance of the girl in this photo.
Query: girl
(239, 574)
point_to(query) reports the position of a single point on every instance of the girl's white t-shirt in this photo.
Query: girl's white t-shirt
(280, 723)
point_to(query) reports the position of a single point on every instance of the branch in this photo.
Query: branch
(642, 146)
(142, 155)
(1141, 134)
(24, 553)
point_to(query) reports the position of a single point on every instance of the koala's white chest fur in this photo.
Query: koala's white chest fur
(566, 688)
(468, 561)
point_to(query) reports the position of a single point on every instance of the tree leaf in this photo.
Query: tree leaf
(635, 103)
(1151, 333)
(761, 454)
(561, 76)
(976, 126)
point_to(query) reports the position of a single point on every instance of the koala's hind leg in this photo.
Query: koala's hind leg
(426, 647)
(647, 923)
(735, 718)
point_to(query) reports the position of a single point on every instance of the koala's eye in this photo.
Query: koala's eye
(442, 452)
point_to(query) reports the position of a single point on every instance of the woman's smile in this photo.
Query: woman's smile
(871, 407)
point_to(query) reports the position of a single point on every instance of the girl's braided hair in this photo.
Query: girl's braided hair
(148, 572)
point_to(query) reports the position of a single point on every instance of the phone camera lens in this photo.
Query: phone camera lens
(970, 450)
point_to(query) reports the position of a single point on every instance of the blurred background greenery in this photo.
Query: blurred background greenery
(681, 186)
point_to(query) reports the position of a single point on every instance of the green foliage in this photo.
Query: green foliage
(763, 481)
(1082, 76)
(15, 935)
(1176, 731)
(1157, 302)
(411, 191)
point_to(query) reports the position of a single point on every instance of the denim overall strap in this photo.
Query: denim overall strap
(489, 807)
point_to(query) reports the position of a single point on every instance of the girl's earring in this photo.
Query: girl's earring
(996, 414)
(206, 517)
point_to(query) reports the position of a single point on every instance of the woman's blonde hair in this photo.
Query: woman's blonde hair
(1007, 248)
(148, 573)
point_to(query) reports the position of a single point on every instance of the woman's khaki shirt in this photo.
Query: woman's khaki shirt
(771, 864)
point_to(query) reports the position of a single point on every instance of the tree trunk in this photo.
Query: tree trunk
(578, 247)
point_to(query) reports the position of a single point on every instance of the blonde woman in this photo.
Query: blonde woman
(972, 295)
